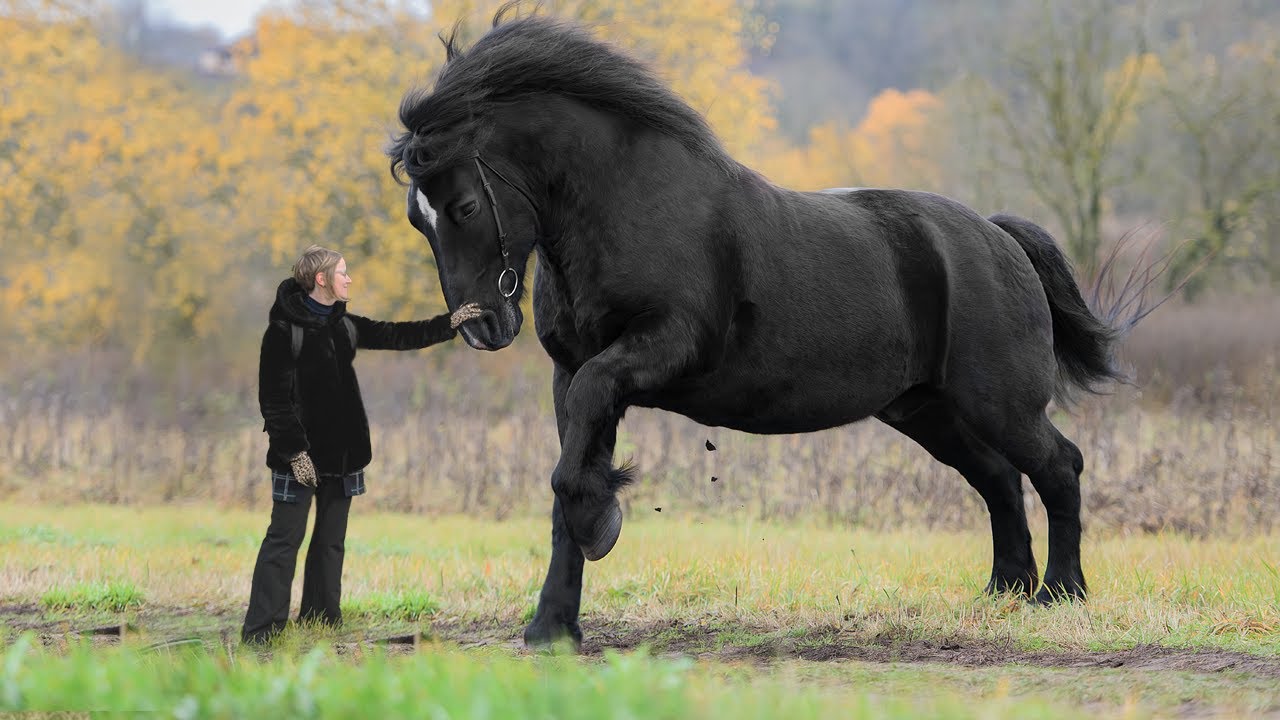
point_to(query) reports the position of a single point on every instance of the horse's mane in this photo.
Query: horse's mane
(529, 56)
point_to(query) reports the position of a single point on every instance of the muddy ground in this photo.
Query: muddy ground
(702, 641)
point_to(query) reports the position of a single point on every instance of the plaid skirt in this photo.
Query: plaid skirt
(286, 488)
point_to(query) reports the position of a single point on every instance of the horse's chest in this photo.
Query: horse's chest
(571, 342)
(574, 330)
(563, 349)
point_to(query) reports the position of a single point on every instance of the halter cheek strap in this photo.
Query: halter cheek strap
(509, 277)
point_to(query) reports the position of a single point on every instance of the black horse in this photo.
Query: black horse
(671, 276)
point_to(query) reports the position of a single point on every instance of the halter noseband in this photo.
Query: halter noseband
(507, 271)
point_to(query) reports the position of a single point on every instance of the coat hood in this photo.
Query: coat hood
(289, 306)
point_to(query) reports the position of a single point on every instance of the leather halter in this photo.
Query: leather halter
(507, 271)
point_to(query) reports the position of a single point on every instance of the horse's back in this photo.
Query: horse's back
(839, 313)
(906, 286)
(977, 256)
(997, 323)
(848, 299)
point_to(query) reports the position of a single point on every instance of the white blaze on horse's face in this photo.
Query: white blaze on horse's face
(428, 212)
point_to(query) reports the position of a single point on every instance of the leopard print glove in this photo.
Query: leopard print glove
(303, 470)
(470, 311)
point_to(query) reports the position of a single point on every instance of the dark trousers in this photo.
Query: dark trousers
(322, 575)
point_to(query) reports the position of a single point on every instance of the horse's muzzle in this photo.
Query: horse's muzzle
(487, 332)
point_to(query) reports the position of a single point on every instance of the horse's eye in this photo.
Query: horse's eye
(468, 208)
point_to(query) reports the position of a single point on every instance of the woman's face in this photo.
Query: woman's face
(340, 289)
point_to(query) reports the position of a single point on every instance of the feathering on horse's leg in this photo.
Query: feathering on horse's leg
(644, 359)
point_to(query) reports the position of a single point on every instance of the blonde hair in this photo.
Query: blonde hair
(315, 259)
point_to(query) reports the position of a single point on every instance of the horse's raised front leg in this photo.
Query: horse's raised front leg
(645, 358)
(557, 615)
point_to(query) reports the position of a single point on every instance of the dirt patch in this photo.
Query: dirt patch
(17, 611)
(820, 644)
(980, 653)
(702, 641)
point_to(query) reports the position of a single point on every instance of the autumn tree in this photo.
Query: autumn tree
(1067, 97)
(888, 147)
(1221, 118)
(102, 215)
(155, 211)
(316, 103)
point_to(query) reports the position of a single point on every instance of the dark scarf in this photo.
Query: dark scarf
(316, 307)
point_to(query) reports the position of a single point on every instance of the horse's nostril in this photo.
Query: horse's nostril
(489, 321)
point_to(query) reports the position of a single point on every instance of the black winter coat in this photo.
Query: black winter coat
(328, 421)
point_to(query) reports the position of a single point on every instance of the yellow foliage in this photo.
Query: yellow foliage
(136, 204)
(888, 148)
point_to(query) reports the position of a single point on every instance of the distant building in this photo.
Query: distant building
(217, 61)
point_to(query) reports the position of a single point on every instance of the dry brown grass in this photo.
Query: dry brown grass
(1191, 356)
(1193, 451)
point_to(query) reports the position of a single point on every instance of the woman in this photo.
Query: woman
(318, 431)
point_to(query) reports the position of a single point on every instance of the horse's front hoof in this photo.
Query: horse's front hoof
(548, 635)
(607, 530)
(594, 527)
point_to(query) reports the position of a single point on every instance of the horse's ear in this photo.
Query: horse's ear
(450, 42)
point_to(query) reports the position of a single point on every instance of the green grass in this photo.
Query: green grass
(749, 600)
(449, 684)
(93, 596)
(1167, 590)
(438, 681)
(408, 606)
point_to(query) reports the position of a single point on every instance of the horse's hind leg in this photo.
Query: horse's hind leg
(1053, 463)
(1057, 480)
(937, 428)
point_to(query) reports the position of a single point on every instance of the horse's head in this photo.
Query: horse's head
(521, 129)
(481, 228)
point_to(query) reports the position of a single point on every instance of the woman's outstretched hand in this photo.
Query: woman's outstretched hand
(470, 311)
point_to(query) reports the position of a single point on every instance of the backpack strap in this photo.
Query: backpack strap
(351, 331)
(296, 332)
(295, 346)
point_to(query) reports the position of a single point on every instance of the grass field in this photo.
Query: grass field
(689, 617)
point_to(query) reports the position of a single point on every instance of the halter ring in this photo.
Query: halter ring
(515, 283)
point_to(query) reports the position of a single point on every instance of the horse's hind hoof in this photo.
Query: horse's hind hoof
(1055, 593)
(605, 534)
(1018, 587)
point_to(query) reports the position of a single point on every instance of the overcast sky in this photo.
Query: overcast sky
(231, 17)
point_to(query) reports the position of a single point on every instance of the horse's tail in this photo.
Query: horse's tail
(1083, 344)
